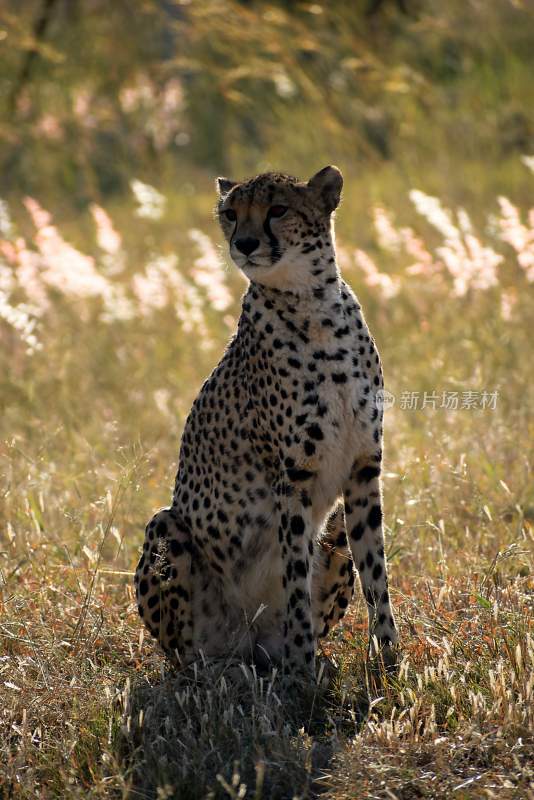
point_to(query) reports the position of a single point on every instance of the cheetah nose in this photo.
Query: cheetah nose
(247, 246)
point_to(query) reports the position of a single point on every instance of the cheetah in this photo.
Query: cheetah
(278, 489)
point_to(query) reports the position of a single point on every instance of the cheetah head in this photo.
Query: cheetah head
(279, 228)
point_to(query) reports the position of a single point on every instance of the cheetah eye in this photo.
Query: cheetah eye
(277, 211)
(230, 214)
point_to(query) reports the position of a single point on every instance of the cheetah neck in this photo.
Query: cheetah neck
(304, 313)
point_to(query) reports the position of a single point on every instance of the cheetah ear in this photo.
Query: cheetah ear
(327, 184)
(224, 186)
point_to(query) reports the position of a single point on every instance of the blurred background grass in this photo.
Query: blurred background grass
(116, 301)
(176, 92)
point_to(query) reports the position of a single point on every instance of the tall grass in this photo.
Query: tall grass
(108, 329)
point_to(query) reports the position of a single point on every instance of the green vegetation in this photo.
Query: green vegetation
(115, 302)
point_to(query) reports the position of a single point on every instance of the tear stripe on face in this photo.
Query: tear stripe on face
(273, 241)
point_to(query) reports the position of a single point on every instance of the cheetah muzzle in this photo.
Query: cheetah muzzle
(278, 490)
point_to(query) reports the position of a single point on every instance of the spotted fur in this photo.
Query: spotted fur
(278, 485)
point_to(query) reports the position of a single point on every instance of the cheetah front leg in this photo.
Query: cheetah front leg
(296, 535)
(363, 513)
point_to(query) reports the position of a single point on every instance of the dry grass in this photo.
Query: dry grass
(95, 715)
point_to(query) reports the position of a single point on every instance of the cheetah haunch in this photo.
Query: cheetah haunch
(278, 486)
